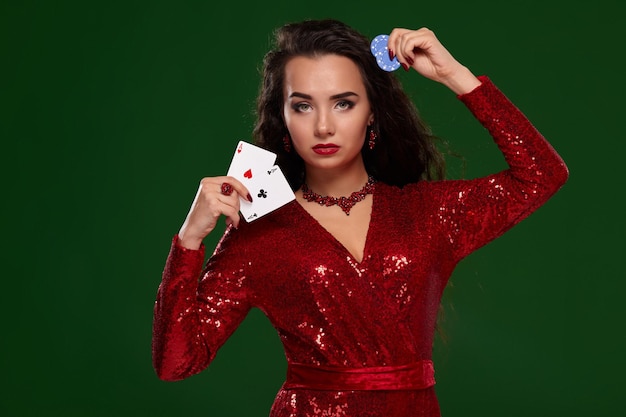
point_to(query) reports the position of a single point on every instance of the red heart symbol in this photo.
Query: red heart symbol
(248, 174)
(239, 148)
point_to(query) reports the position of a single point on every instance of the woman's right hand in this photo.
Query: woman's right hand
(421, 50)
(208, 205)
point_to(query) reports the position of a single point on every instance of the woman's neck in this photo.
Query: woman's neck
(336, 182)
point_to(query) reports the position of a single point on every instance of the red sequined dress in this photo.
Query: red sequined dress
(357, 335)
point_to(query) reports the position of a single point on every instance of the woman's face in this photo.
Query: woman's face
(326, 111)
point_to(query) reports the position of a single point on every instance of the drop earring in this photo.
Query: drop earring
(287, 143)
(372, 138)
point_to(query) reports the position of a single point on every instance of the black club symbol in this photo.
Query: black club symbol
(262, 193)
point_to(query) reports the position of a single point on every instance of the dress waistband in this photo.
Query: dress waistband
(414, 376)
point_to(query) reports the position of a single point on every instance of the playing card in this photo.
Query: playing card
(254, 167)
(269, 191)
(249, 161)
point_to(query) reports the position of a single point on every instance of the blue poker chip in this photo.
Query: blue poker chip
(381, 53)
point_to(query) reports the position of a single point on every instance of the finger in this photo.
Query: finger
(214, 198)
(393, 41)
(412, 42)
(217, 205)
(239, 188)
(229, 206)
(407, 44)
(232, 218)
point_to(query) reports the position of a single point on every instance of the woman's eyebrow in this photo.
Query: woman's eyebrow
(333, 97)
(343, 95)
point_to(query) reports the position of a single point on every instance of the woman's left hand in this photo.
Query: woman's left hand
(421, 50)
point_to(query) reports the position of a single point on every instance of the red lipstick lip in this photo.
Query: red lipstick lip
(325, 148)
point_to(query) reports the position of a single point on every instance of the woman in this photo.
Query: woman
(352, 285)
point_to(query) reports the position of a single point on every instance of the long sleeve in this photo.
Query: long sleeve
(196, 311)
(474, 212)
(330, 310)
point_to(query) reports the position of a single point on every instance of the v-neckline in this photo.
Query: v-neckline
(337, 242)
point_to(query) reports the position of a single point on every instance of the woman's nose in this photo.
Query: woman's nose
(324, 126)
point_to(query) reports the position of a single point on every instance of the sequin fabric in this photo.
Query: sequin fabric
(331, 310)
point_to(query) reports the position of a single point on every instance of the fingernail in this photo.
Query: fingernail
(408, 58)
(391, 54)
(249, 198)
(405, 66)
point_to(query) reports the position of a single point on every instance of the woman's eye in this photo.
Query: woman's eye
(345, 104)
(301, 107)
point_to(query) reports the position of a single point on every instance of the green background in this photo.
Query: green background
(111, 112)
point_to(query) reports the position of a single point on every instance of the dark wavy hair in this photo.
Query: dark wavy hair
(405, 150)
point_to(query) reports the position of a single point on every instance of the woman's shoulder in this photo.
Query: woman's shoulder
(425, 193)
(257, 241)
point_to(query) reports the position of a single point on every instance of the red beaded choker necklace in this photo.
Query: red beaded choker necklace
(346, 203)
